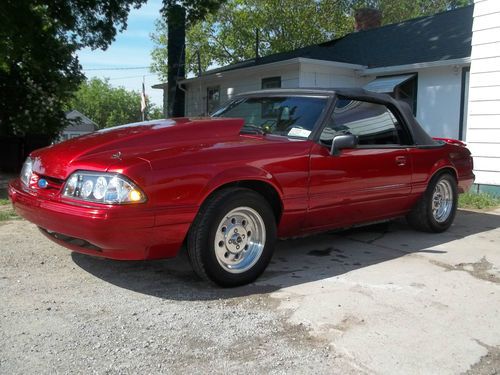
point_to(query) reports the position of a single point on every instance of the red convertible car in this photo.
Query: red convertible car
(268, 164)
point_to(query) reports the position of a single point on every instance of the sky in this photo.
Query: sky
(131, 49)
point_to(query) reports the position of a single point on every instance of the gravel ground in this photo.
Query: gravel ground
(317, 310)
(136, 317)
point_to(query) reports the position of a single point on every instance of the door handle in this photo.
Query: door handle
(400, 161)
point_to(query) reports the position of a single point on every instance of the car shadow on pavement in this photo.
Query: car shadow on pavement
(294, 262)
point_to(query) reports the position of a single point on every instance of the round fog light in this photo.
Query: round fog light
(100, 188)
(87, 188)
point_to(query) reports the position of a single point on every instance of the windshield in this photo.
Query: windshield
(288, 116)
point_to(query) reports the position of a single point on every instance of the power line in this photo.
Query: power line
(127, 77)
(130, 68)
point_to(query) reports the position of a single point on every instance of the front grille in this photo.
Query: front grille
(54, 184)
(71, 240)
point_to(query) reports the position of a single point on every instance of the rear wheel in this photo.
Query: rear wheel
(436, 210)
(232, 238)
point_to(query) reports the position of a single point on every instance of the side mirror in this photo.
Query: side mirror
(340, 142)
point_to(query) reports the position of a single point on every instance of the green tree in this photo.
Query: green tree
(109, 106)
(154, 112)
(179, 14)
(399, 10)
(39, 69)
(229, 35)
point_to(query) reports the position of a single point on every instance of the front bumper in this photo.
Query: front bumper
(127, 232)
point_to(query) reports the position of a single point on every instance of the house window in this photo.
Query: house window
(213, 98)
(271, 83)
(407, 92)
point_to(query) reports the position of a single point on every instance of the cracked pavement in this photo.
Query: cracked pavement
(382, 299)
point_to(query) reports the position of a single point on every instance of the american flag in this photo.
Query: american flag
(143, 100)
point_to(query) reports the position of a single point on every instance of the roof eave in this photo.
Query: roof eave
(254, 68)
(239, 71)
(461, 62)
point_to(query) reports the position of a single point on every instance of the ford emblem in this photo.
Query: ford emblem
(42, 183)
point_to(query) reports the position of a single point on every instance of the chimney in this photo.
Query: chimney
(367, 18)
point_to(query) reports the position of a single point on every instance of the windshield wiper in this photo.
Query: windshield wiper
(253, 129)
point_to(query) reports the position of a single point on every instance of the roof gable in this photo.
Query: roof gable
(79, 122)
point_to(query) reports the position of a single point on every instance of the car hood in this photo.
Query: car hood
(102, 149)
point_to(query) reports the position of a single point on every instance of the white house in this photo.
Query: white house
(424, 61)
(79, 125)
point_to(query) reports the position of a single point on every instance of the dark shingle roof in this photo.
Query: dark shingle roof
(443, 36)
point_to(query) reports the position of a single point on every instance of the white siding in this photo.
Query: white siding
(487, 50)
(235, 82)
(293, 75)
(438, 101)
(483, 123)
(325, 76)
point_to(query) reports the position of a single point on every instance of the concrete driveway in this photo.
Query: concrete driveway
(381, 299)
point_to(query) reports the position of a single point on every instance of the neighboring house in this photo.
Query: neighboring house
(424, 61)
(483, 121)
(80, 125)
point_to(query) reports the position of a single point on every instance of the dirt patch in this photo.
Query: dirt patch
(488, 364)
(480, 270)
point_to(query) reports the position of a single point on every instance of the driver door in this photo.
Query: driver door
(367, 183)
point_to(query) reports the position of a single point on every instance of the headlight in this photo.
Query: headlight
(109, 188)
(27, 171)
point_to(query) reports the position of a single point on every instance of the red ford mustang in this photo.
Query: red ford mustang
(268, 164)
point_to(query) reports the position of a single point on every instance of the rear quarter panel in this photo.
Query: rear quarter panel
(429, 161)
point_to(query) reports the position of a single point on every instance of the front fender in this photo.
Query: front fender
(237, 174)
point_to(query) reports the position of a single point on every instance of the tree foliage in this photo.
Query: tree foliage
(229, 35)
(196, 10)
(109, 106)
(399, 10)
(39, 69)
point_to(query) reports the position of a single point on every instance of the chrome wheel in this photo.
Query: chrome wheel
(442, 201)
(240, 239)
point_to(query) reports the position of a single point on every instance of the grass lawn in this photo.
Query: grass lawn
(6, 211)
(8, 215)
(4, 202)
(478, 201)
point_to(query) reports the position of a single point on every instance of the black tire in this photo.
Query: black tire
(201, 246)
(422, 216)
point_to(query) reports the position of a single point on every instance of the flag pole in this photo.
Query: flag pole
(143, 101)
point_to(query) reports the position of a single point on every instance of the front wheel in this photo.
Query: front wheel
(232, 238)
(436, 210)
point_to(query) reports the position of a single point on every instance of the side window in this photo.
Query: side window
(374, 124)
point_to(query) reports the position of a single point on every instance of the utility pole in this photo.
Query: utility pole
(176, 19)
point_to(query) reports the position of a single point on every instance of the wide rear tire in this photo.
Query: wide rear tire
(436, 210)
(232, 238)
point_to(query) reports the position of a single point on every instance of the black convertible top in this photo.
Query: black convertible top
(419, 135)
